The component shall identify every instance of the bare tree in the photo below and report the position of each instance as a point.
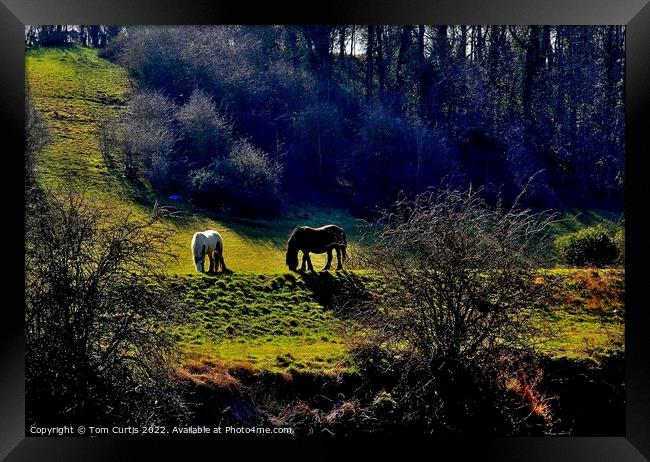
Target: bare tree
(97, 315)
(146, 137)
(461, 283)
(459, 275)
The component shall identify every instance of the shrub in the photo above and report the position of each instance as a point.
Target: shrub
(106, 133)
(252, 181)
(619, 241)
(246, 183)
(592, 246)
(36, 137)
(458, 273)
(146, 138)
(205, 133)
(206, 186)
(460, 284)
(97, 344)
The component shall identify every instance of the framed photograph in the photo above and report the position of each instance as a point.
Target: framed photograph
(262, 228)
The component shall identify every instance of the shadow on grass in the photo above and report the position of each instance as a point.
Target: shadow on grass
(217, 274)
(342, 291)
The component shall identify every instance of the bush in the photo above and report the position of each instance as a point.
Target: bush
(619, 241)
(461, 281)
(146, 138)
(97, 343)
(593, 246)
(246, 183)
(206, 186)
(36, 137)
(253, 181)
(205, 133)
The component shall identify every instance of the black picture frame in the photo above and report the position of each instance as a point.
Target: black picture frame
(635, 14)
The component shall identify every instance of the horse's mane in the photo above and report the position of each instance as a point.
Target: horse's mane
(293, 233)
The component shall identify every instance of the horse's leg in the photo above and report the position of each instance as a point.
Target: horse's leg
(339, 266)
(217, 261)
(329, 260)
(309, 265)
(211, 258)
(304, 261)
(223, 263)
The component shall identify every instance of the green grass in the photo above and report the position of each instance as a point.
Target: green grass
(70, 88)
(575, 220)
(588, 318)
(260, 314)
(274, 322)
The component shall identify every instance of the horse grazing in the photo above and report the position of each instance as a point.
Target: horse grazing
(317, 240)
(208, 243)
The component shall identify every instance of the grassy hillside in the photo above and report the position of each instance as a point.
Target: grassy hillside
(260, 314)
(284, 321)
(275, 322)
(73, 88)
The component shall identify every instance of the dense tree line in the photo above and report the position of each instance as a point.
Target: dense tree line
(354, 114)
(65, 35)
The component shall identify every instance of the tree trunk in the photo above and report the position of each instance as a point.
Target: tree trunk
(381, 64)
(292, 44)
(404, 45)
(442, 46)
(370, 43)
(462, 45)
(424, 76)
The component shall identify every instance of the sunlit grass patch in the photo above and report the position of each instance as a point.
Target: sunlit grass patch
(274, 322)
(587, 319)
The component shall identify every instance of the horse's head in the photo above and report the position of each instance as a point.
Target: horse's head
(198, 262)
(292, 252)
(292, 258)
(198, 252)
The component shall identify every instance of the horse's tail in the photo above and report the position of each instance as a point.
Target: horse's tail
(219, 263)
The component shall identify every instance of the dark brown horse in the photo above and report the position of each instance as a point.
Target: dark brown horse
(316, 240)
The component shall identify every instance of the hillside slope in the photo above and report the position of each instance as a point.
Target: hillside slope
(74, 88)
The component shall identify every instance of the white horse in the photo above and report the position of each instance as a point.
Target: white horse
(208, 243)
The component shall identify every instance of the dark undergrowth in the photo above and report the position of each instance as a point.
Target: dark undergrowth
(579, 399)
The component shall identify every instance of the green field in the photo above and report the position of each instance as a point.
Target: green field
(272, 321)
(261, 314)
